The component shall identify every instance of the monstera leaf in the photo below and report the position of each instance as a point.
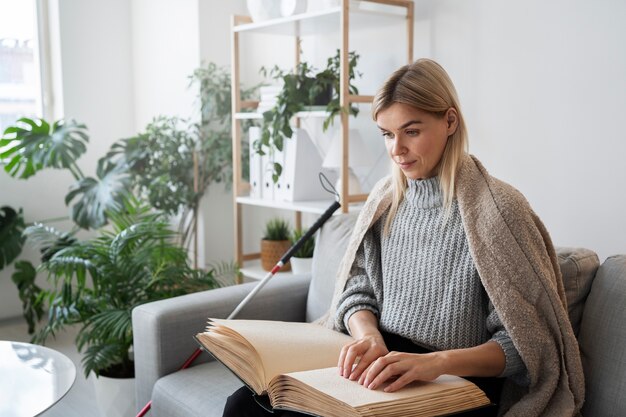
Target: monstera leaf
(37, 145)
(11, 239)
(98, 195)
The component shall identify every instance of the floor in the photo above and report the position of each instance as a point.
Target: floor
(79, 401)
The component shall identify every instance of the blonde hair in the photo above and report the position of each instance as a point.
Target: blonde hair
(425, 85)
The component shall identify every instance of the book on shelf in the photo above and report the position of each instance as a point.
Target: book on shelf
(295, 365)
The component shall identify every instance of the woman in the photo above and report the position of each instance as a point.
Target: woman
(451, 267)
(448, 270)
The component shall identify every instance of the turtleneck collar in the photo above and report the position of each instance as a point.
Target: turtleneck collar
(424, 193)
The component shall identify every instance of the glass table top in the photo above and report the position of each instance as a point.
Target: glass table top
(32, 378)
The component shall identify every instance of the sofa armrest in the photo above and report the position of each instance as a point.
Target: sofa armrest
(163, 330)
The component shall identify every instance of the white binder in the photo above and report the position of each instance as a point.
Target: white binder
(301, 165)
(256, 172)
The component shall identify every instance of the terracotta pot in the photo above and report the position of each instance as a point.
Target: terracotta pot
(272, 251)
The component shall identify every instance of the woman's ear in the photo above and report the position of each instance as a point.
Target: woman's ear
(452, 118)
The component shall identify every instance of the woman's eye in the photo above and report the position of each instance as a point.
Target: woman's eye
(387, 135)
(412, 132)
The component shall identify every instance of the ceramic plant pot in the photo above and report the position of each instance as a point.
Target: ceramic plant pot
(301, 265)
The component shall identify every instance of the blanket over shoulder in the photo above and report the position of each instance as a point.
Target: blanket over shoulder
(518, 267)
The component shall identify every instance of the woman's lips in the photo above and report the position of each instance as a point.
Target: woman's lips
(405, 165)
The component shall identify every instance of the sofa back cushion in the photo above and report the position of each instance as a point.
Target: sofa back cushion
(578, 267)
(602, 339)
(330, 246)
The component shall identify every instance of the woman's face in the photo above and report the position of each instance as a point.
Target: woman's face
(416, 139)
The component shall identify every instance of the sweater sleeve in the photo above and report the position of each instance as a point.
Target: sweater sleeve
(360, 291)
(514, 366)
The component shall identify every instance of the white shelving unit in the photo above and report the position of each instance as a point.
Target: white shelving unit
(350, 15)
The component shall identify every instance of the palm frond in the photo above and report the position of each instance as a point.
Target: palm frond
(48, 239)
(224, 272)
(11, 238)
(103, 355)
(110, 324)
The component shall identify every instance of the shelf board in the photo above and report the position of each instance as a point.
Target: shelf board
(253, 270)
(301, 114)
(308, 206)
(362, 15)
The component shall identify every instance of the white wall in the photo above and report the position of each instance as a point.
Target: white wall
(165, 45)
(543, 87)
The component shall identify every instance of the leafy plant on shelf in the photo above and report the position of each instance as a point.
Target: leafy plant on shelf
(302, 88)
(277, 229)
(308, 246)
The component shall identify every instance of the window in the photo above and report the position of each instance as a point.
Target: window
(20, 75)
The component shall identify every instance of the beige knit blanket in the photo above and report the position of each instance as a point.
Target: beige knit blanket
(518, 267)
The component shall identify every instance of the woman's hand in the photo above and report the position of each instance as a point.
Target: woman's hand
(366, 350)
(407, 367)
(368, 346)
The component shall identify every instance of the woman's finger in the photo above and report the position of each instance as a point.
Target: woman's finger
(353, 353)
(363, 364)
(404, 379)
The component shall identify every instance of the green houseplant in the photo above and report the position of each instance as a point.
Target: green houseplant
(302, 88)
(138, 184)
(302, 259)
(96, 283)
(275, 243)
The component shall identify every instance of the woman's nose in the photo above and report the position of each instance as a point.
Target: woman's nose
(398, 147)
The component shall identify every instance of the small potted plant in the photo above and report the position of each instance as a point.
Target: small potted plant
(305, 87)
(303, 258)
(275, 243)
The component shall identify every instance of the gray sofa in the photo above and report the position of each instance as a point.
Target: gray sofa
(163, 330)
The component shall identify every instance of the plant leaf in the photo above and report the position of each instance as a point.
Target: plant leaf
(11, 239)
(48, 239)
(100, 195)
(37, 145)
(32, 305)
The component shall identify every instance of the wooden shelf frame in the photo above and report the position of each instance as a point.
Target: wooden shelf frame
(296, 24)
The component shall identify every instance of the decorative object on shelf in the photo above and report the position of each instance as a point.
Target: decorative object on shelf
(292, 7)
(301, 163)
(302, 259)
(301, 88)
(275, 243)
(261, 10)
(359, 156)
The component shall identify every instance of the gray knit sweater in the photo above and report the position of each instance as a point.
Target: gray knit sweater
(421, 282)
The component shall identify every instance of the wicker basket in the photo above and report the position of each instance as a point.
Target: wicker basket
(272, 251)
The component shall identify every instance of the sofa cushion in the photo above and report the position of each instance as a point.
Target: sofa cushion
(578, 267)
(199, 391)
(602, 339)
(331, 243)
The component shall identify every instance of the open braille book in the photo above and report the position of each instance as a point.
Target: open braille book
(295, 364)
